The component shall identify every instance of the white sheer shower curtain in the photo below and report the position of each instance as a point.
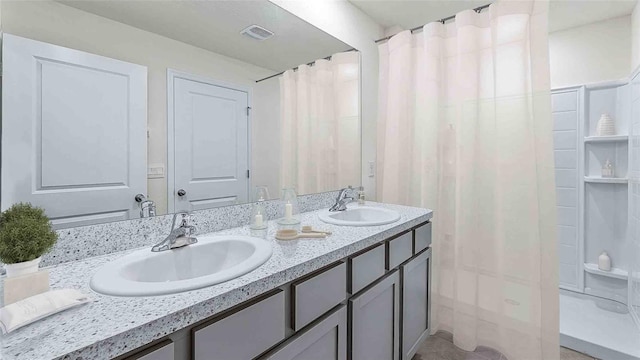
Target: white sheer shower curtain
(465, 129)
(320, 129)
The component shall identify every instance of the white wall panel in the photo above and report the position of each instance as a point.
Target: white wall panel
(565, 134)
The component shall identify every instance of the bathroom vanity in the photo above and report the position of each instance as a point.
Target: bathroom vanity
(374, 302)
(362, 293)
(358, 303)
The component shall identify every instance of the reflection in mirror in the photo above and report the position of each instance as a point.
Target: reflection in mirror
(320, 125)
(114, 110)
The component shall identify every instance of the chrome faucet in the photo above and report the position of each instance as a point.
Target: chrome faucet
(179, 236)
(147, 206)
(342, 200)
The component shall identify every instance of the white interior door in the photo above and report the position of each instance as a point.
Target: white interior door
(73, 132)
(210, 142)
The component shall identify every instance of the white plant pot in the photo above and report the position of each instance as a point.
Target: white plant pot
(22, 268)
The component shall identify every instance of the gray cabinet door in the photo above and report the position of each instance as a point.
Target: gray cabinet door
(374, 320)
(326, 340)
(161, 351)
(415, 276)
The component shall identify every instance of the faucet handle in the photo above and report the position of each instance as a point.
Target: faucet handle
(180, 219)
(343, 192)
(185, 219)
(186, 222)
(147, 209)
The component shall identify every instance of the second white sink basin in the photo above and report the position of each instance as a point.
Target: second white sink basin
(212, 260)
(360, 216)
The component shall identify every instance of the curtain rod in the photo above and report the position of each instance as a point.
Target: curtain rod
(443, 20)
(296, 68)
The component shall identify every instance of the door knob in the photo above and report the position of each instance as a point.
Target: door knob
(181, 192)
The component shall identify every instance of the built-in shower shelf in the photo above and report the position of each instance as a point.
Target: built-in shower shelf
(614, 273)
(601, 180)
(613, 138)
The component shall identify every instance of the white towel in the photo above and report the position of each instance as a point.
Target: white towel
(38, 307)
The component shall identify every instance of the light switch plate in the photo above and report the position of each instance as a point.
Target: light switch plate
(155, 171)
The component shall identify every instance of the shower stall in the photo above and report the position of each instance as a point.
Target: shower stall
(598, 205)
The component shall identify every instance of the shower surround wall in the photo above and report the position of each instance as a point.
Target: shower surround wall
(597, 214)
(566, 111)
(592, 210)
(634, 201)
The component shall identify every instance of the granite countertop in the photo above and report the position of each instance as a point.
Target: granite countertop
(111, 326)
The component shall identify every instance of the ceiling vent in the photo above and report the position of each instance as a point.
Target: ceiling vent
(257, 32)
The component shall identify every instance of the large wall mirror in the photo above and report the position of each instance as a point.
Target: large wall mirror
(108, 105)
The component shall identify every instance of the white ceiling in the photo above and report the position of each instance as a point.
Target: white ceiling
(563, 14)
(411, 13)
(216, 25)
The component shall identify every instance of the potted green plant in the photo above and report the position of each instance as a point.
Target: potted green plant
(25, 234)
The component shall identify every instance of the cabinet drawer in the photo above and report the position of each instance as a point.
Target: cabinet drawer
(244, 334)
(366, 268)
(422, 237)
(399, 249)
(318, 294)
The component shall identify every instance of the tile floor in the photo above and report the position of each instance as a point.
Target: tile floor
(440, 347)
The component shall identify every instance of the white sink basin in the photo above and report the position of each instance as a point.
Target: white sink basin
(360, 216)
(212, 260)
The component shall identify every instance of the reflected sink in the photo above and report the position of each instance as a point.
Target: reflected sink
(360, 216)
(212, 260)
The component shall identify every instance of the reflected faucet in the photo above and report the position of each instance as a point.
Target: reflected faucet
(147, 207)
(342, 200)
(179, 236)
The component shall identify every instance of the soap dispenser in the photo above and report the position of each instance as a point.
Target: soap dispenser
(604, 262)
(361, 196)
(607, 169)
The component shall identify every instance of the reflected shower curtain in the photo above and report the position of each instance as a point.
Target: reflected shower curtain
(320, 128)
(465, 129)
